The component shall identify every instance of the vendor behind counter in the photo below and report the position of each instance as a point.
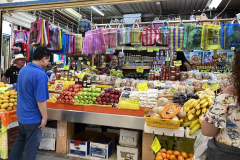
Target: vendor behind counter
(114, 63)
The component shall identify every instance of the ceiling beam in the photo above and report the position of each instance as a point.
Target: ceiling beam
(120, 17)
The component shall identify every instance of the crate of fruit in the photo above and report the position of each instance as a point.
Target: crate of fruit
(162, 123)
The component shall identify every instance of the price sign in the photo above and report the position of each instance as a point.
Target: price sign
(233, 48)
(136, 61)
(58, 62)
(156, 146)
(96, 52)
(215, 86)
(61, 78)
(88, 63)
(65, 79)
(156, 49)
(80, 75)
(140, 70)
(66, 67)
(94, 67)
(107, 46)
(149, 50)
(177, 63)
(80, 58)
(172, 91)
(167, 59)
(142, 86)
(127, 64)
(122, 99)
(121, 43)
(156, 71)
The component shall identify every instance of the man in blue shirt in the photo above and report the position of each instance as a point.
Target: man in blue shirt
(32, 95)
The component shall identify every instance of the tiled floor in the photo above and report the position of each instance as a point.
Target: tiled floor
(44, 157)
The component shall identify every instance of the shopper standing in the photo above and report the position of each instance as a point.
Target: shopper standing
(32, 95)
(13, 71)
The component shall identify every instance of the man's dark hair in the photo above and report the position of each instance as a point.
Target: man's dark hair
(41, 52)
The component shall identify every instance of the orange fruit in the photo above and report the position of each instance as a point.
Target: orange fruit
(191, 158)
(176, 153)
(159, 158)
(163, 150)
(159, 154)
(180, 158)
(188, 159)
(184, 155)
(168, 156)
(190, 155)
(169, 152)
(165, 159)
(164, 155)
(172, 157)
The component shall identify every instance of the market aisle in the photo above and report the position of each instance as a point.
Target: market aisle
(44, 157)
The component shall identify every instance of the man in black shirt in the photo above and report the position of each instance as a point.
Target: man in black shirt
(13, 71)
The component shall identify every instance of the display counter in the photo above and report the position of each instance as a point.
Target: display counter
(102, 116)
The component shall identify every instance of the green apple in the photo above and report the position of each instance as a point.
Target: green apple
(89, 98)
(77, 101)
(82, 102)
(80, 98)
(94, 99)
(90, 102)
(98, 90)
(75, 97)
(84, 89)
(86, 102)
(85, 98)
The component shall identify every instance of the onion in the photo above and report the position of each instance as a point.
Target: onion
(155, 109)
(181, 113)
(175, 118)
(159, 110)
(156, 115)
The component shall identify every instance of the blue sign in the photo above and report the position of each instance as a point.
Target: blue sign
(7, 3)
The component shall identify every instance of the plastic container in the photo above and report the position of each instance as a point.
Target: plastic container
(173, 73)
(172, 78)
(173, 68)
(177, 69)
(162, 123)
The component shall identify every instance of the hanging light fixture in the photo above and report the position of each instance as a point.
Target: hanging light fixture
(97, 10)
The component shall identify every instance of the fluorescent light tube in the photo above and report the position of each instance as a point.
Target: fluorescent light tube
(97, 10)
(215, 4)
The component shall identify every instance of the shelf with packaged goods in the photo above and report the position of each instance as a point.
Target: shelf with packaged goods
(143, 48)
(135, 67)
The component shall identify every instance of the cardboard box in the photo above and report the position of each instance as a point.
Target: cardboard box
(147, 152)
(126, 153)
(103, 151)
(80, 144)
(65, 132)
(95, 129)
(48, 140)
(129, 138)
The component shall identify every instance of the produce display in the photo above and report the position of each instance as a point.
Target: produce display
(164, 154)
(117, 73)
(8, 101)
(66, 96)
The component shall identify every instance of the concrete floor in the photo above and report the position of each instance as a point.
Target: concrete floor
(44, 157)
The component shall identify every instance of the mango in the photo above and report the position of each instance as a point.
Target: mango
(5, 101)
(2, 110)
(4, 106)
(15, 103)
(14, 108)
(9, 109)
(6, 94)
(11, 104)
(11, 100)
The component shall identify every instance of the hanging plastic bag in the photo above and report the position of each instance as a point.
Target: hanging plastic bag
(83, 25)
(230, 36)
(71, 44)
(211, 37)
(136, 35)
(176, 37)
(94, 42)
(164, 32)
(158, 24)
(78, 44)
(123, 35)
(110, 37)
(192, 37)
(53, 37)
(64, 45)
(200, 147)
(35, 32)
(150, 35)
(59, 43)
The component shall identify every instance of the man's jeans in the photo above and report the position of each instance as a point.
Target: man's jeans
(28, 141)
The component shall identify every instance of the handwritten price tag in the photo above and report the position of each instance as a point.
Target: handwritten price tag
(156, 49)
(66, 67)
(94, 67)
(80, 75)
(233, 48)
(150, 50)
(140, 70)
(80, 58)
(156, 146)
(88, 63)
(96, 52)
(142, 86)
(177, 63)
(58, 62)
(167, 59)
(172, 91)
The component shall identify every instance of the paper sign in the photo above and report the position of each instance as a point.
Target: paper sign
(177, 63)
(233, 48)
(88, 63)
(120, 42)
(213, 87)
(156, 71)
(156, 146)
(80, 58)
(96, 52)
(172, 91)
(156, 49)
(127, 64)
(66, 67)
(136, 61)
(167, 59)
(80, 75)
(58, 62)
(106, 47)
(140, 70)
(142, 86)
(149, 50)
(94, 67)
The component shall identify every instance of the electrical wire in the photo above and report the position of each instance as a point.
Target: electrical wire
(223, 9)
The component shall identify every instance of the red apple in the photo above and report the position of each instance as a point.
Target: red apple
(80, 86)
(107, 94)
(109, 103)
(76, 86)
(66, 97)
(95, 102)
(116, 92)
(67, 100)
(99, 99)
(103, 99)
(116, 101)
(71, 89)
(76, 90)
(71, 101)
(116, 97)
(73, 94)
(102, 95)
(70, 97)
(80, 89)
(63, 100)
(66, 89)
(104, 103)
(66, 93)
(71, 86)
(62, 96)
(59, 100)
(108, 99)
(69, 93)
(112, 100)
(106, 90)
(112, 96)
(112, 91)
(100, 102)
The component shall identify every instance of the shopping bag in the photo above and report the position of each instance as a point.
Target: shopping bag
(47, 32)
(200, 147)
(176, 37)
(71, 44)
(110, 37)
(42, 35)
(83, 24)
(64, 45)
(150, 35)
(67, 43)
(53, 37)
(136, 35)
(78, 44)
(123, 35)
(94, 42)
(59, 43)
(230, 36)
(35, 32)
(20, 36)
(164, 32)
(192, 37)
(211, 37)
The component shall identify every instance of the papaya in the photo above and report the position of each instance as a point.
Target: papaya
(5, 101)
(4, 106)
(171, 110)
(12, 93)
(12, 96)
(6, 94)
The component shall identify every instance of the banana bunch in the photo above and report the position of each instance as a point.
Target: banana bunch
(207, 92)
(195, 109)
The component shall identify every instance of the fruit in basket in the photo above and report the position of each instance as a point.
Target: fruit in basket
(170, 111)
